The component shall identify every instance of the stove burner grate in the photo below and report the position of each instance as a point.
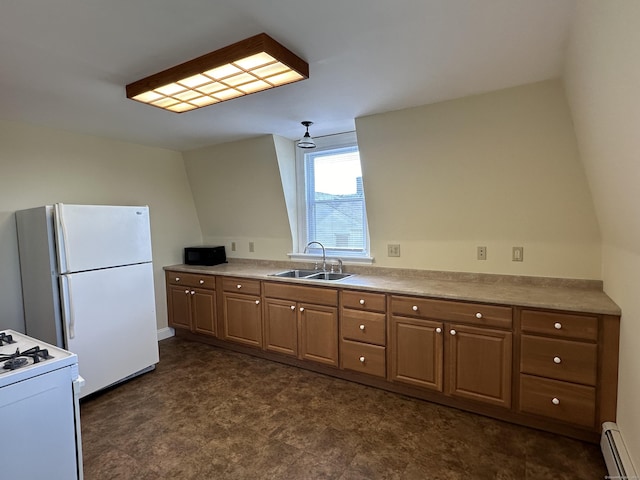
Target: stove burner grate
(5, 338)
(21, 359)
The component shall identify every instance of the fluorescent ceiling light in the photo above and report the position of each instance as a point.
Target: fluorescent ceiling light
(249, 66)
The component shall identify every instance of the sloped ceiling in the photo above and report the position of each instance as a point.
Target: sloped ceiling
(65, 64)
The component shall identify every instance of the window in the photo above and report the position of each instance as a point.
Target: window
(331, 199)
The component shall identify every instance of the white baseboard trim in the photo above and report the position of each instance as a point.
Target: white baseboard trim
(166, 332)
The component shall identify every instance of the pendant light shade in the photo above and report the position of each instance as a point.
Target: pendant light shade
(306, 141)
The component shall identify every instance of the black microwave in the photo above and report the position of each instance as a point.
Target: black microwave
(204, 255)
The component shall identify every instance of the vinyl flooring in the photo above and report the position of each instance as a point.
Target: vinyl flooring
(206, 413)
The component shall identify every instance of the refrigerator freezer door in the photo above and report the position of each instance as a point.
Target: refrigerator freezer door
(110, 323)
(90, 237)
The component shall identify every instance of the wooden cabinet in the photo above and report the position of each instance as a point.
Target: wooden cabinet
(363, 337)
(191, 302)
(431, 349)
(242, 311)
(301, 321)
(559, 366)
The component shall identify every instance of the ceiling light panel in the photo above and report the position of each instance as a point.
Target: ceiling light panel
(249, 66)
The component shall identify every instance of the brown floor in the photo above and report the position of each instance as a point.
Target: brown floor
(206, 413)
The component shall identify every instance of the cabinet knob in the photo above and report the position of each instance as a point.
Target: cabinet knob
(186, 291)
(362, 301)
(257, 302)
(302, 309)
(293, 307)
(555, 401)
(478, 315)
(201, 282)
(239, 286)
(557, 360)
(362, 359)
(557, 325)
(177, 279)
(438, 330)
(362, 327)
(193, 292)
(452, 331)
(414, 308)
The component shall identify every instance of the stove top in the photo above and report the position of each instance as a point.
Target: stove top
(23, 357)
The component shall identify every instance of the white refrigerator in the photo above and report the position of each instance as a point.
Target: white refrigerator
(87, 285)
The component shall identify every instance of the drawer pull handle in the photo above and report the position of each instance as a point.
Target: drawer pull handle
(362, 301)
(302, 309)
(415, 308)
(239, 286)
(452, 332)
(293, 307)
(362, 327)
(478, 315)
(193, 292)
(438, 330)
(555, 401)
(201, 282)
(187, 292)
(362, 359)
(557, 325)
(177, 279)
(557, 360)
(257, 302)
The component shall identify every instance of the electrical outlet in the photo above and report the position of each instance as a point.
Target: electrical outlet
(482, 253)
(393, 250)
(517, 254)
(251, 247)
(233, 246)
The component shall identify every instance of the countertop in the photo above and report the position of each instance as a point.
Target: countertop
(558, 294)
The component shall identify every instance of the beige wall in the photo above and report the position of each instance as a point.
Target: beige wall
(239, 197)
(602, 80)
(41, 166)
(497, 170)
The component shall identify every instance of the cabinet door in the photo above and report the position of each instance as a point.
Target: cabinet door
(281, 326)
(479, 364)
(203, 303)
(417, 352)
(242, 319)
(179, 300)
(318, 333)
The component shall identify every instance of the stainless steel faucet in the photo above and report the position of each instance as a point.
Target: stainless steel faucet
(324, 254)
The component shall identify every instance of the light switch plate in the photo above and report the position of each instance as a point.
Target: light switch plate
(517, 254)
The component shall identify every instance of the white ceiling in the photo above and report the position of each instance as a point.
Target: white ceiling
(65, 63)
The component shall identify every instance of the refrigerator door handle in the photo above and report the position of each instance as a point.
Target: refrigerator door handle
(63, 249)
(67, 307)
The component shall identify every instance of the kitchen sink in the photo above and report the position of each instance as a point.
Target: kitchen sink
(311, 275)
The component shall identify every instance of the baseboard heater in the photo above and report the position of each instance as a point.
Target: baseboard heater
(615, 454)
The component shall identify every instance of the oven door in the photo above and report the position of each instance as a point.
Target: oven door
(39, 418)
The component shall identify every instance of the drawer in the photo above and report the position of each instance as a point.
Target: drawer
(362, 357)
(368, 327)
(473, 313)
(191, 279)
(558, 400)
(559, 324)
(241, 285)
(559, 359)
(374, 302)
(296, 293)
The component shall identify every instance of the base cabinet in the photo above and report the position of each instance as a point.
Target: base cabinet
(192, 307)
(319, 333)
(242, 311)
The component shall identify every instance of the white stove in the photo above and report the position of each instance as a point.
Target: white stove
(39, 392)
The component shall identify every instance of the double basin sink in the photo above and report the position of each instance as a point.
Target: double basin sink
(311, 275)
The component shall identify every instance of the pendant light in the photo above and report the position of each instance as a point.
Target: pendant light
(306, 141)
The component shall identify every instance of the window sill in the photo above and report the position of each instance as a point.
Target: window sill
(307, 257)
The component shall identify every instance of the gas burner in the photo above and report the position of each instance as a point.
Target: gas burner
(21, 359)
(5, 338)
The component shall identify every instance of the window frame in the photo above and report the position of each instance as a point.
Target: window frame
(329, 142)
